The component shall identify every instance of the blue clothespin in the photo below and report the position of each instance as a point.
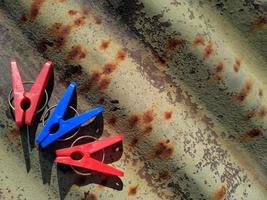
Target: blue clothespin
(56, 127)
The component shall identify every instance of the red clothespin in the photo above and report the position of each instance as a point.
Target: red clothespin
(66, 156)
(27, 103)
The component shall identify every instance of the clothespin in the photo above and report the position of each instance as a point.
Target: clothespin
(56, 127)
(80, 156)
(27, 103)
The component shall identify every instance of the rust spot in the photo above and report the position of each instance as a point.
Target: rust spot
(133, 120)
(121, 55)
(209, 50)
(43, 45)
(112, 121)
(147, 130)
(60, 32)
(134, 141)
(105, 44)
(260, 92)
(250, 114)
(109, 68)
(217, 77)
(95, 77)
(263, 111)
(199, 40)
(148, 116)
(79, 21)
(104, 83)
(35, 7)
(24, 17)
(253, 133)
(163, 175)
(259, 23)
(173, 43)
(73, 12)
(220, 194)
(159, 59)
(97, 20)
(219, 67)
(168, 115)
(86, 11)
(89, 196)
(245, 91)
(101, 100)
(237, 65)
(76, 53)
(163, 150)
(132, 190)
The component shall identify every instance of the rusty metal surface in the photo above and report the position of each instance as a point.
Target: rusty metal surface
(183, 80)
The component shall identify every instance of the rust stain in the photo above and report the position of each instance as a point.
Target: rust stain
(217, 77)
(105, 44)
(104, 83)
(101, 100)
(35, 8)
(97, 20)
(163, 150)
(245, 91)
(249, 115)
(147, 130)
(163, 175)
(24, 18)
(259, 22)
(219, 67)
(220, 194)
(217, 71)
(89, 196)
(133, 120)
(132, 191)
(44, 44)
(80, 21)
(148, 116)
(173, 43)
(112, 121)
(72, 12)
(134, 141)
(86, 11)
(209, 50)
(109, 68)
(260, 92)
(263, 112)
(251, 134)
(198, 40)
(159, 59)
(168, 115)
(76, 53)
(237, 64)
(60, 33)
(121, 55)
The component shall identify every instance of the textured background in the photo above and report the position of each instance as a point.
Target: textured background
(184, 80)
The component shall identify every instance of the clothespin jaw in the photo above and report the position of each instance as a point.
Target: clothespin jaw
(66, 156)
(56, 127)
(27, 103)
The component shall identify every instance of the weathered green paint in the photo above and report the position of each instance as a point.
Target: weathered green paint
(186, 75)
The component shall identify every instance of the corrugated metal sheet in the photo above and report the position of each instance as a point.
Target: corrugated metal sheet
(185, 81)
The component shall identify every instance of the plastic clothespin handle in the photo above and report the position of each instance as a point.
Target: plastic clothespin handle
(69, 125)
(36, 92)
(33, 97)
(58, 113)
(63, 156)
(18, 92)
